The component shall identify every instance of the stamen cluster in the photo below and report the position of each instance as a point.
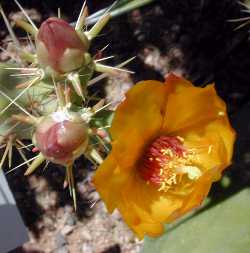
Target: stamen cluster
(165, 161)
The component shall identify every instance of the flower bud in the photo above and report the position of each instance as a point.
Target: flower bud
(59, 46)
(61, 137)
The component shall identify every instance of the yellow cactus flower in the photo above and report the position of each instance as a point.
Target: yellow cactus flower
(170, 142)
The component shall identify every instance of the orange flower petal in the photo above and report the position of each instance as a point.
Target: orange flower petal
(108, 181)
(176, 83)
(144, 208)
(138, 219)
(227, 134)
(137, 120)
(191, 106)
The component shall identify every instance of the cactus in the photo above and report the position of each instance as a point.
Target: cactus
(48, 106)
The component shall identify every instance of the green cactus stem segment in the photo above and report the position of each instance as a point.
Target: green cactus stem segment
(13, 101)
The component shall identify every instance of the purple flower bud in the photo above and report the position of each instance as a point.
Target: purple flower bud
(59, 46)
(61, 137)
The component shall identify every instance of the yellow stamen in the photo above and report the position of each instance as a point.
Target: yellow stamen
(168, 152)
(180, 138)
(210, 149)
(221, 113)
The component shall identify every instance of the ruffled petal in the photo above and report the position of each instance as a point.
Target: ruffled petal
(139, 220)
(211, 143)
(144, 208)
(137, 120)
(227, 136)
(191, 106)
(109, 181)
(134, 206)
(176, 83)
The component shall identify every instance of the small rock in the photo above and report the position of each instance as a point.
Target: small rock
(71, 220)
(60, 240)
(67, 230)
(87, 248)
(62, 250)
(86, 235)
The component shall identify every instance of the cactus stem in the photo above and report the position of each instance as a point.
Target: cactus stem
(104, 75)
(96, 29)
(110, 70)
(26, 15)
(76, 83)
(13, 101)
(26, 27)
(81, 18)
(16, 104)
(35, 164)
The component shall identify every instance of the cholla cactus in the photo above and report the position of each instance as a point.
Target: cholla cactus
(50, 103)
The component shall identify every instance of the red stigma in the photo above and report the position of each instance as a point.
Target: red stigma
(158, 156)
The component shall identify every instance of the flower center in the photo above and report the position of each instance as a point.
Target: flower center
(165, 161)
